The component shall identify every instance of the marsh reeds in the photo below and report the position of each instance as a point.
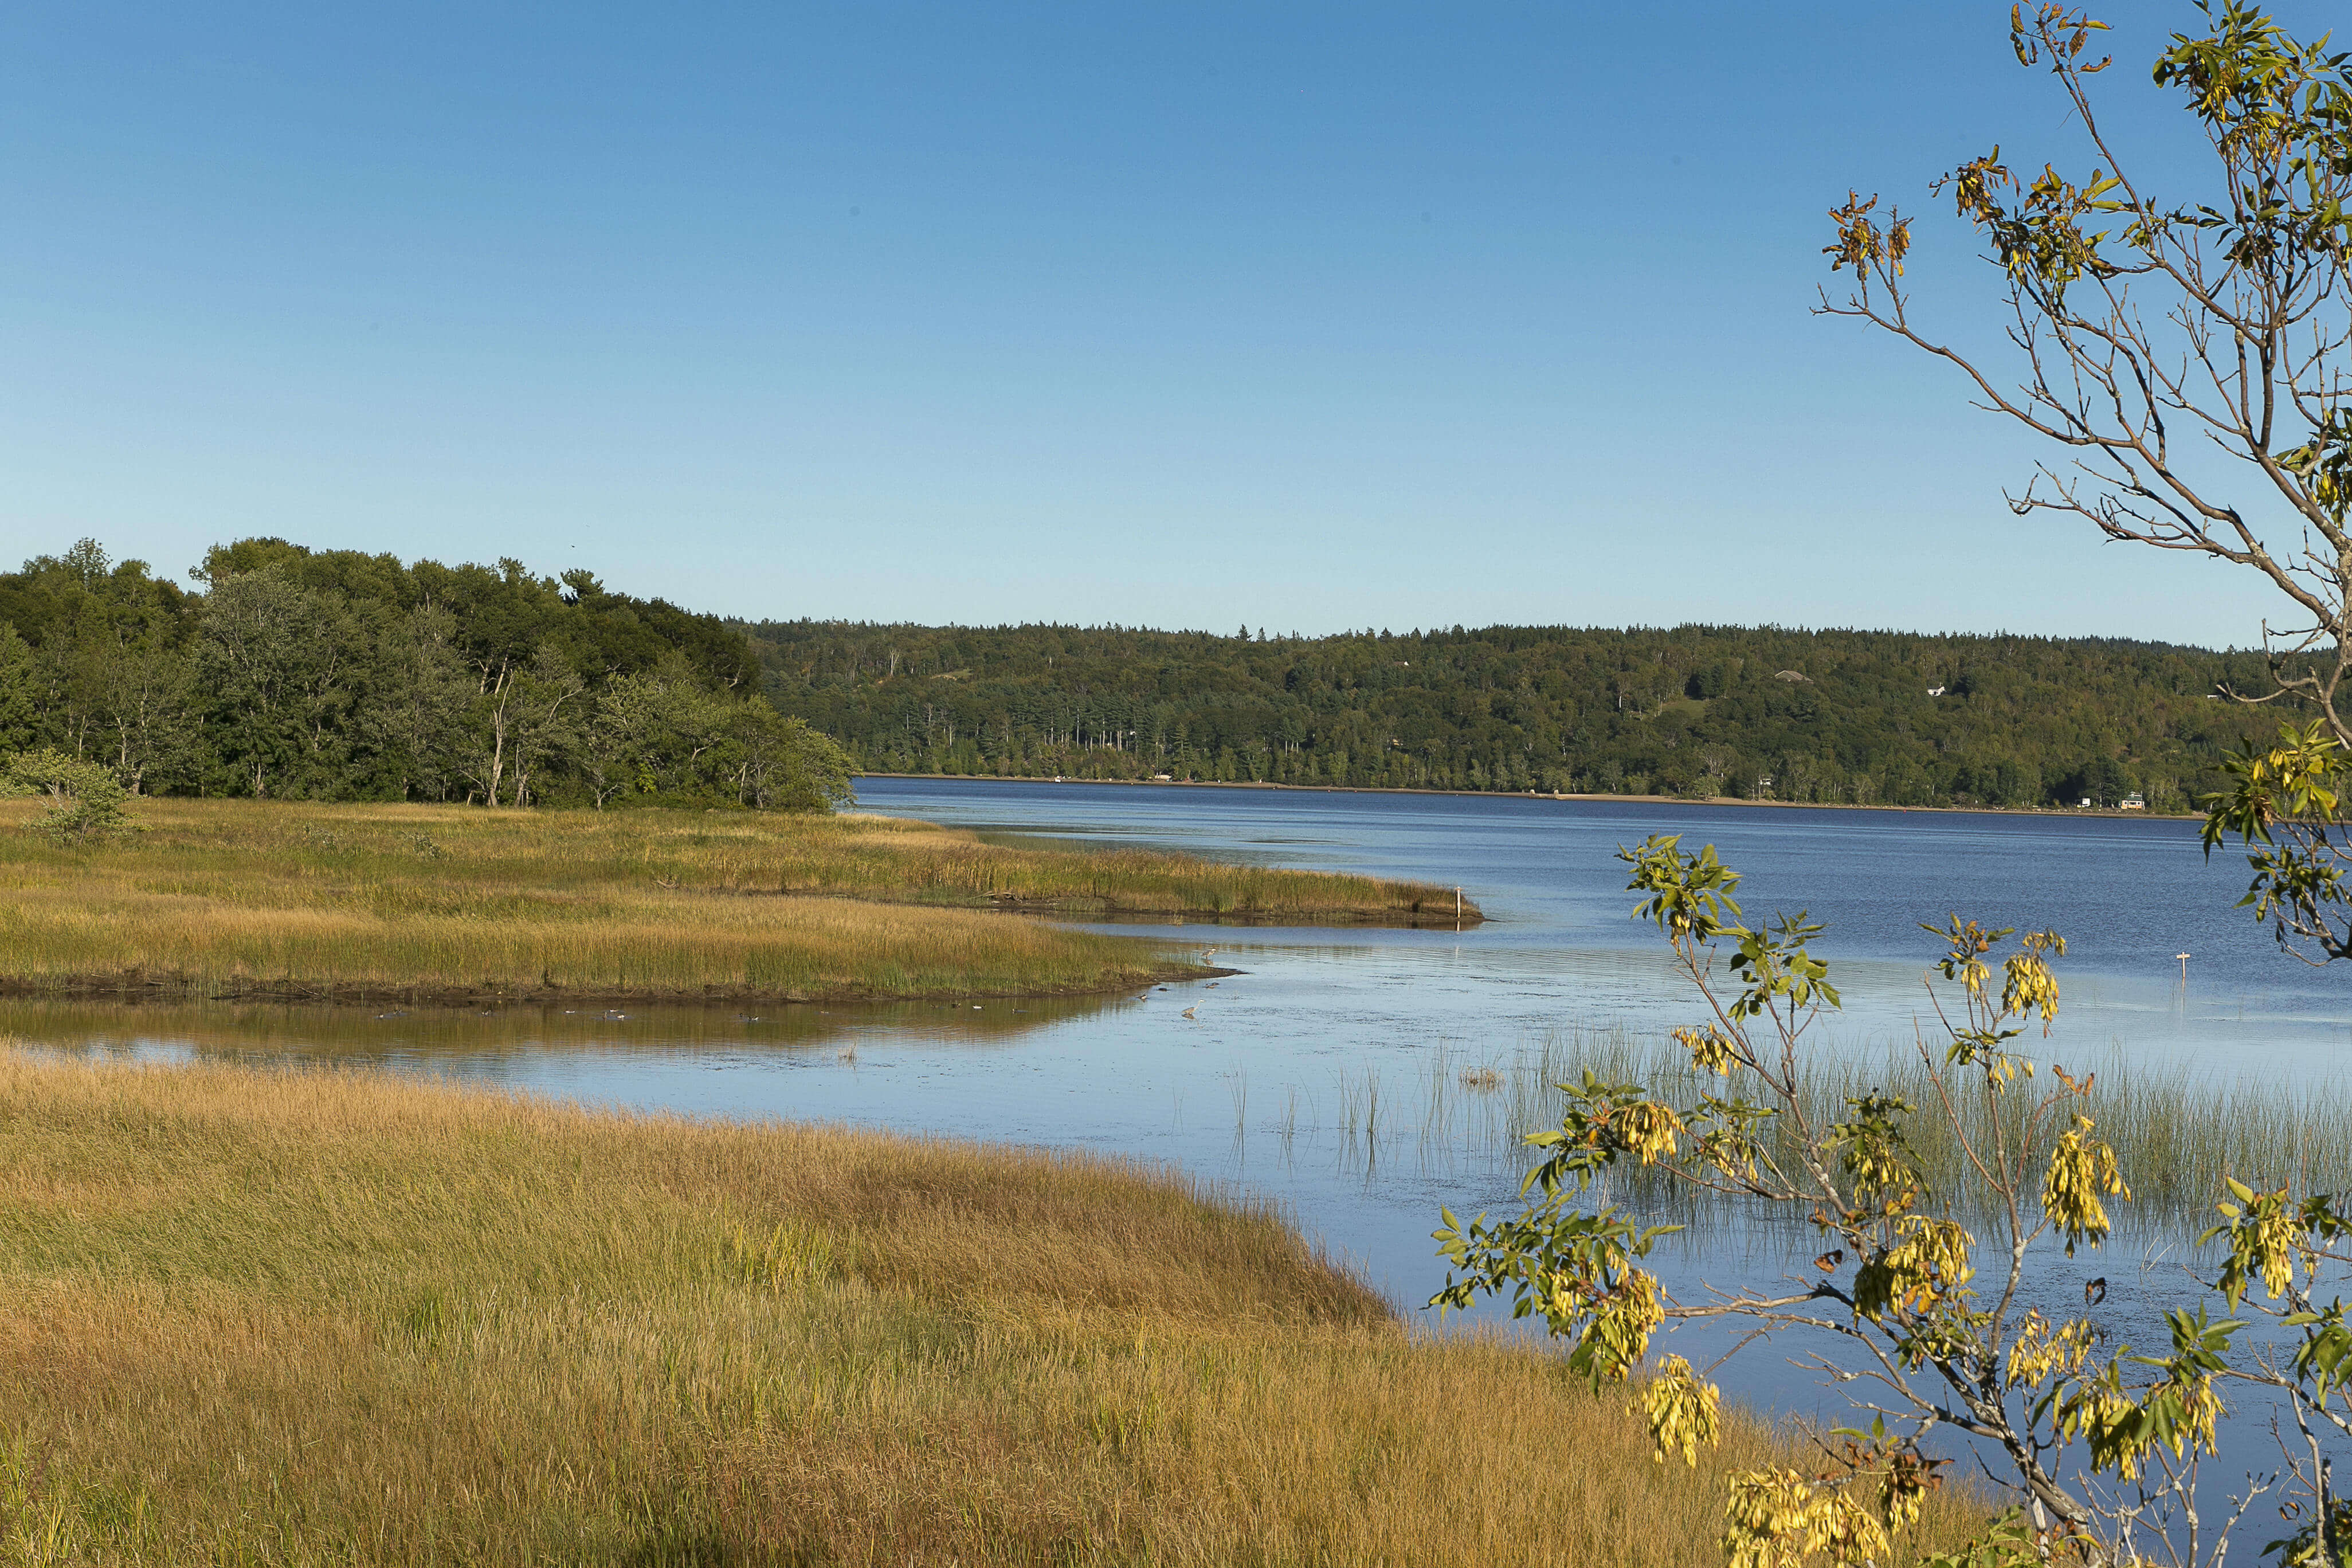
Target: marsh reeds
(409, 903)
(313, 1318)
(2178, 1132)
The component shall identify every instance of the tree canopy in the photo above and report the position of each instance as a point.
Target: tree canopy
(1831, 716)
(335, 674)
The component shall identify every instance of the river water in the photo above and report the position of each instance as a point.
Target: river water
(1328, 1073)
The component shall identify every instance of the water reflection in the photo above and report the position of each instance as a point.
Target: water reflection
(474, 1039)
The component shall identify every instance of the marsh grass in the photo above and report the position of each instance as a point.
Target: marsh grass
(404, 902)
(2178, 1133)
(313, 1318)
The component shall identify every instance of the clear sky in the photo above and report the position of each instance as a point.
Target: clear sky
(1305, 317)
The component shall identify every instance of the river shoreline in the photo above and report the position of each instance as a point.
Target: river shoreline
(1547, 795)
(134, 988)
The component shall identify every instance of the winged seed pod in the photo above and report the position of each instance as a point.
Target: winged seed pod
(2263, 1242)
(1647, 1129)
(1928, 1264)
(1966, 943)
(1618, 1335)
(2029, 987)
(1861, 244)
(1711, 1050)
(2081, 1171)
(1908, 1479)
(1681, 1410)
(1777, 1521)
(2181, 1417)
(2197, 1425)
(2041, 1350)
(2097, 1410)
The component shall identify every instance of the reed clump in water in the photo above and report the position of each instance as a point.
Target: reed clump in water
(2177, 1133)
(310, 1318)
(411, 902)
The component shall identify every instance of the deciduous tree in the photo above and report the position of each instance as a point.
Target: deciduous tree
(2183, 341)
(274, 660)
(1927, 1305)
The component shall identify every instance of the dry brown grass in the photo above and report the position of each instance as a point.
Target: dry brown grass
(436, 901)
(337, 1318)
(242, 898)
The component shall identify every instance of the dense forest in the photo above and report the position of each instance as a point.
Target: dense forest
(1871, 718)
(288, 673)
(339, 674)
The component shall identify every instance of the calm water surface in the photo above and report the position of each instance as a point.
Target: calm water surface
(1328, 1074)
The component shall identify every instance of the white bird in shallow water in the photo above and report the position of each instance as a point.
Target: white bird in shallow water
(1188, 1012)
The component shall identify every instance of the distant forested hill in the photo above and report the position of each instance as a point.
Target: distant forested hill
(1831, 716)
(334, 674)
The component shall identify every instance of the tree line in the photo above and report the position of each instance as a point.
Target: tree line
(290, 672)
(335, 674)
(1834, 716)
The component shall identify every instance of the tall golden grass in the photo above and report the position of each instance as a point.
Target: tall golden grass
(337, 1318)
(247, 898)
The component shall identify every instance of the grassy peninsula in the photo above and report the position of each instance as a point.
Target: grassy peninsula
(340, 1318)
(249, 899)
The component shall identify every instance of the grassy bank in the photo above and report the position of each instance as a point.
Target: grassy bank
(338, 1318)
(365, 902)
(889, 857)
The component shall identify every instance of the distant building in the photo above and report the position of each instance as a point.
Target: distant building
(2132, 801)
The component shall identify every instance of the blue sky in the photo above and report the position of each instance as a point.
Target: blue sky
(1301, 317)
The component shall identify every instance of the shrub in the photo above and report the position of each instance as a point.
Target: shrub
(86, 799)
